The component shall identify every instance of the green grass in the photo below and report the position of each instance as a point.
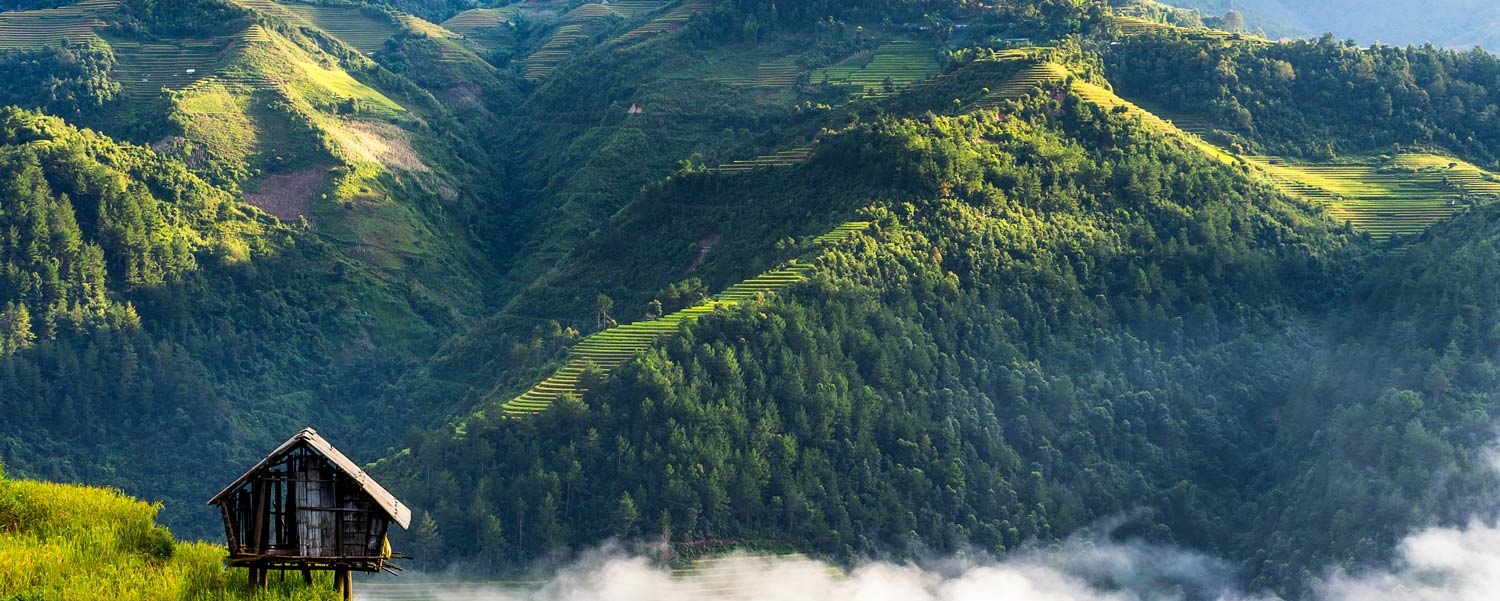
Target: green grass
(612, 348)
(336, 84)
(902, 62)
(52, 26)
(218, 117)
(63, 542)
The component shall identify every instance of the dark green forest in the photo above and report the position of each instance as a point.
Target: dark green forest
(1323, 98)
(1059, 316)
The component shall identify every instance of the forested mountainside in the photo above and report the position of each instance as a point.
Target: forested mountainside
(853, 278)
(292, 225)
(1319, 99)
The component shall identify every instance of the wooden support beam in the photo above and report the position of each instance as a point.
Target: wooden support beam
(260, 516)
(253, 579)
(338, 579)
(307, 576)
(348, 585)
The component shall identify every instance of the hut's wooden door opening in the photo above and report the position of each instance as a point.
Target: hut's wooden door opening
(308, 507)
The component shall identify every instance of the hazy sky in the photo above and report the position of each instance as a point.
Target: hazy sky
(1442, 22)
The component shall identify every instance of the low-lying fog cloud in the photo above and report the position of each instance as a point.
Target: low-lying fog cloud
(1078, 570)
(1451, 564)
(1439, 563)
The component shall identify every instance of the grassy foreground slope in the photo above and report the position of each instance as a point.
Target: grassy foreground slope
(62, 542)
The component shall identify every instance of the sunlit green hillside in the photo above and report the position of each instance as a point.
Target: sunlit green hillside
(61, 542)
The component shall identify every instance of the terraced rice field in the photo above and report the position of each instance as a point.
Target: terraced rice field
(1022, 83)
(671, 21)
(568, 37)
(842, 231)
(1138, 26)
(628, 9)
(256, 34)
(144, 69)
(270, 7)
(616, 346)
(1460, 174)
(422, 26)
(53, 26)
(780, 73)
(348, 23)
(472, 22)
(1378, 200)
(785, 158)
(904, 63)
(546, 59)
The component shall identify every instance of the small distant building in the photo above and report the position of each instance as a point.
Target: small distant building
(635, 109)
(308, 507)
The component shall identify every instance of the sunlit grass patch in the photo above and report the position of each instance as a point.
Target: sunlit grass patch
(64, 542)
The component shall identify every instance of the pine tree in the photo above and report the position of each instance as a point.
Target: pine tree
(15, 329)
(492, 543)
(623, 520)
(428, 543)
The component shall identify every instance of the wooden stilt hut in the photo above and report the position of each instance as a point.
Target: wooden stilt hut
(308, 507)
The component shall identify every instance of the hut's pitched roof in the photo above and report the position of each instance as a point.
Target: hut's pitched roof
(398, 512)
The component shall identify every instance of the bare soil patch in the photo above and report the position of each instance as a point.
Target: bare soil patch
(289, 195)
(704, 245)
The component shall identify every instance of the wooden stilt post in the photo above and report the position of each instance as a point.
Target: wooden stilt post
(253, 579)
(307, 576)
(348, 585)
(338, 579)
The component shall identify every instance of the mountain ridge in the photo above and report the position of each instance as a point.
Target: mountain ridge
(1113, 263)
